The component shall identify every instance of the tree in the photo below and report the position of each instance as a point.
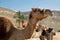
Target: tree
(22, 20)
(17, 16)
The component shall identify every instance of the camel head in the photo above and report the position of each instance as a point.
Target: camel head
(40, 14)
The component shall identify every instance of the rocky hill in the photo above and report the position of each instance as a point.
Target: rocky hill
(8, 13)
(53, 21)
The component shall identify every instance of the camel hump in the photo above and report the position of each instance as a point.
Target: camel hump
(4, 26)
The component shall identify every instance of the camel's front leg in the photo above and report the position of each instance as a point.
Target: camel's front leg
(49, 36)
(42, 37)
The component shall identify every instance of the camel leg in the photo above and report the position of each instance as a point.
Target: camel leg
(49, 36)
(42, 37)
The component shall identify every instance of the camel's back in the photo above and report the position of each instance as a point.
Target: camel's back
(4, 27)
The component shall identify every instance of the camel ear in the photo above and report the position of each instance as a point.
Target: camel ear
(50, 30)
(38, 10)
(34, 9)
(42, 11)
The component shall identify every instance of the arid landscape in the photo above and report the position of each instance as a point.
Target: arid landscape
(53, 22)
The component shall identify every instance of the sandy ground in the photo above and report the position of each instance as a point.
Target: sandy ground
(57, 37)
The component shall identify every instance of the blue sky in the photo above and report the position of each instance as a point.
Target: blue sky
(26, 5)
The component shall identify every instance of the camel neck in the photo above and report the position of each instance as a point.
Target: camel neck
(32, 22)
(30, 27)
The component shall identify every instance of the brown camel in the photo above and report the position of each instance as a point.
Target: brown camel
(47, 34)
(44, 33)
(11, 33)
(5, 25)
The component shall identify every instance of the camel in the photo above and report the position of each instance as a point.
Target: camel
(38, 31)
(41, 31)
(5, 25)
(47, 34)
(11, 33)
